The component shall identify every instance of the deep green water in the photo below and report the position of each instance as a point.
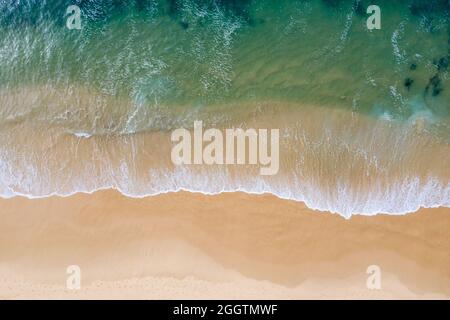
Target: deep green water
(201, 53)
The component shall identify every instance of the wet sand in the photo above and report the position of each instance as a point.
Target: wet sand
(234, 245)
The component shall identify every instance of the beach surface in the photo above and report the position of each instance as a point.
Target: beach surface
(228, 246)
(361, 151)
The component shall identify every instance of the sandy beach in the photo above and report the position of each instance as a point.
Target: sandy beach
(228, 246)
(212, 149)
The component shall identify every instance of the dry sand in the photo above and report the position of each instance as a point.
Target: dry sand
(189, 246)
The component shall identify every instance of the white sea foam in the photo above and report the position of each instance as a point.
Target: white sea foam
(399, 54)
(82, 135)
(408, 195)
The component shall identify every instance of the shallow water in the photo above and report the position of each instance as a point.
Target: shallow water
(93, 108)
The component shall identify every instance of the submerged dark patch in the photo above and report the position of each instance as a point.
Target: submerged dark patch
(436, 84)
(408, 83)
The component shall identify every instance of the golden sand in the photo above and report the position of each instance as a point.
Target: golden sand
(190, 246)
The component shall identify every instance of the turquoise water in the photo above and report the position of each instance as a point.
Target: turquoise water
(202, 53)
(145, 66)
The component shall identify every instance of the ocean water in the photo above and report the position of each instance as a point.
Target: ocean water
(364, 114)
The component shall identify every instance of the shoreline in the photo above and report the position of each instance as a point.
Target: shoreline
(212, 194)
(217, 243)
(333, 160)
(203, 149)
